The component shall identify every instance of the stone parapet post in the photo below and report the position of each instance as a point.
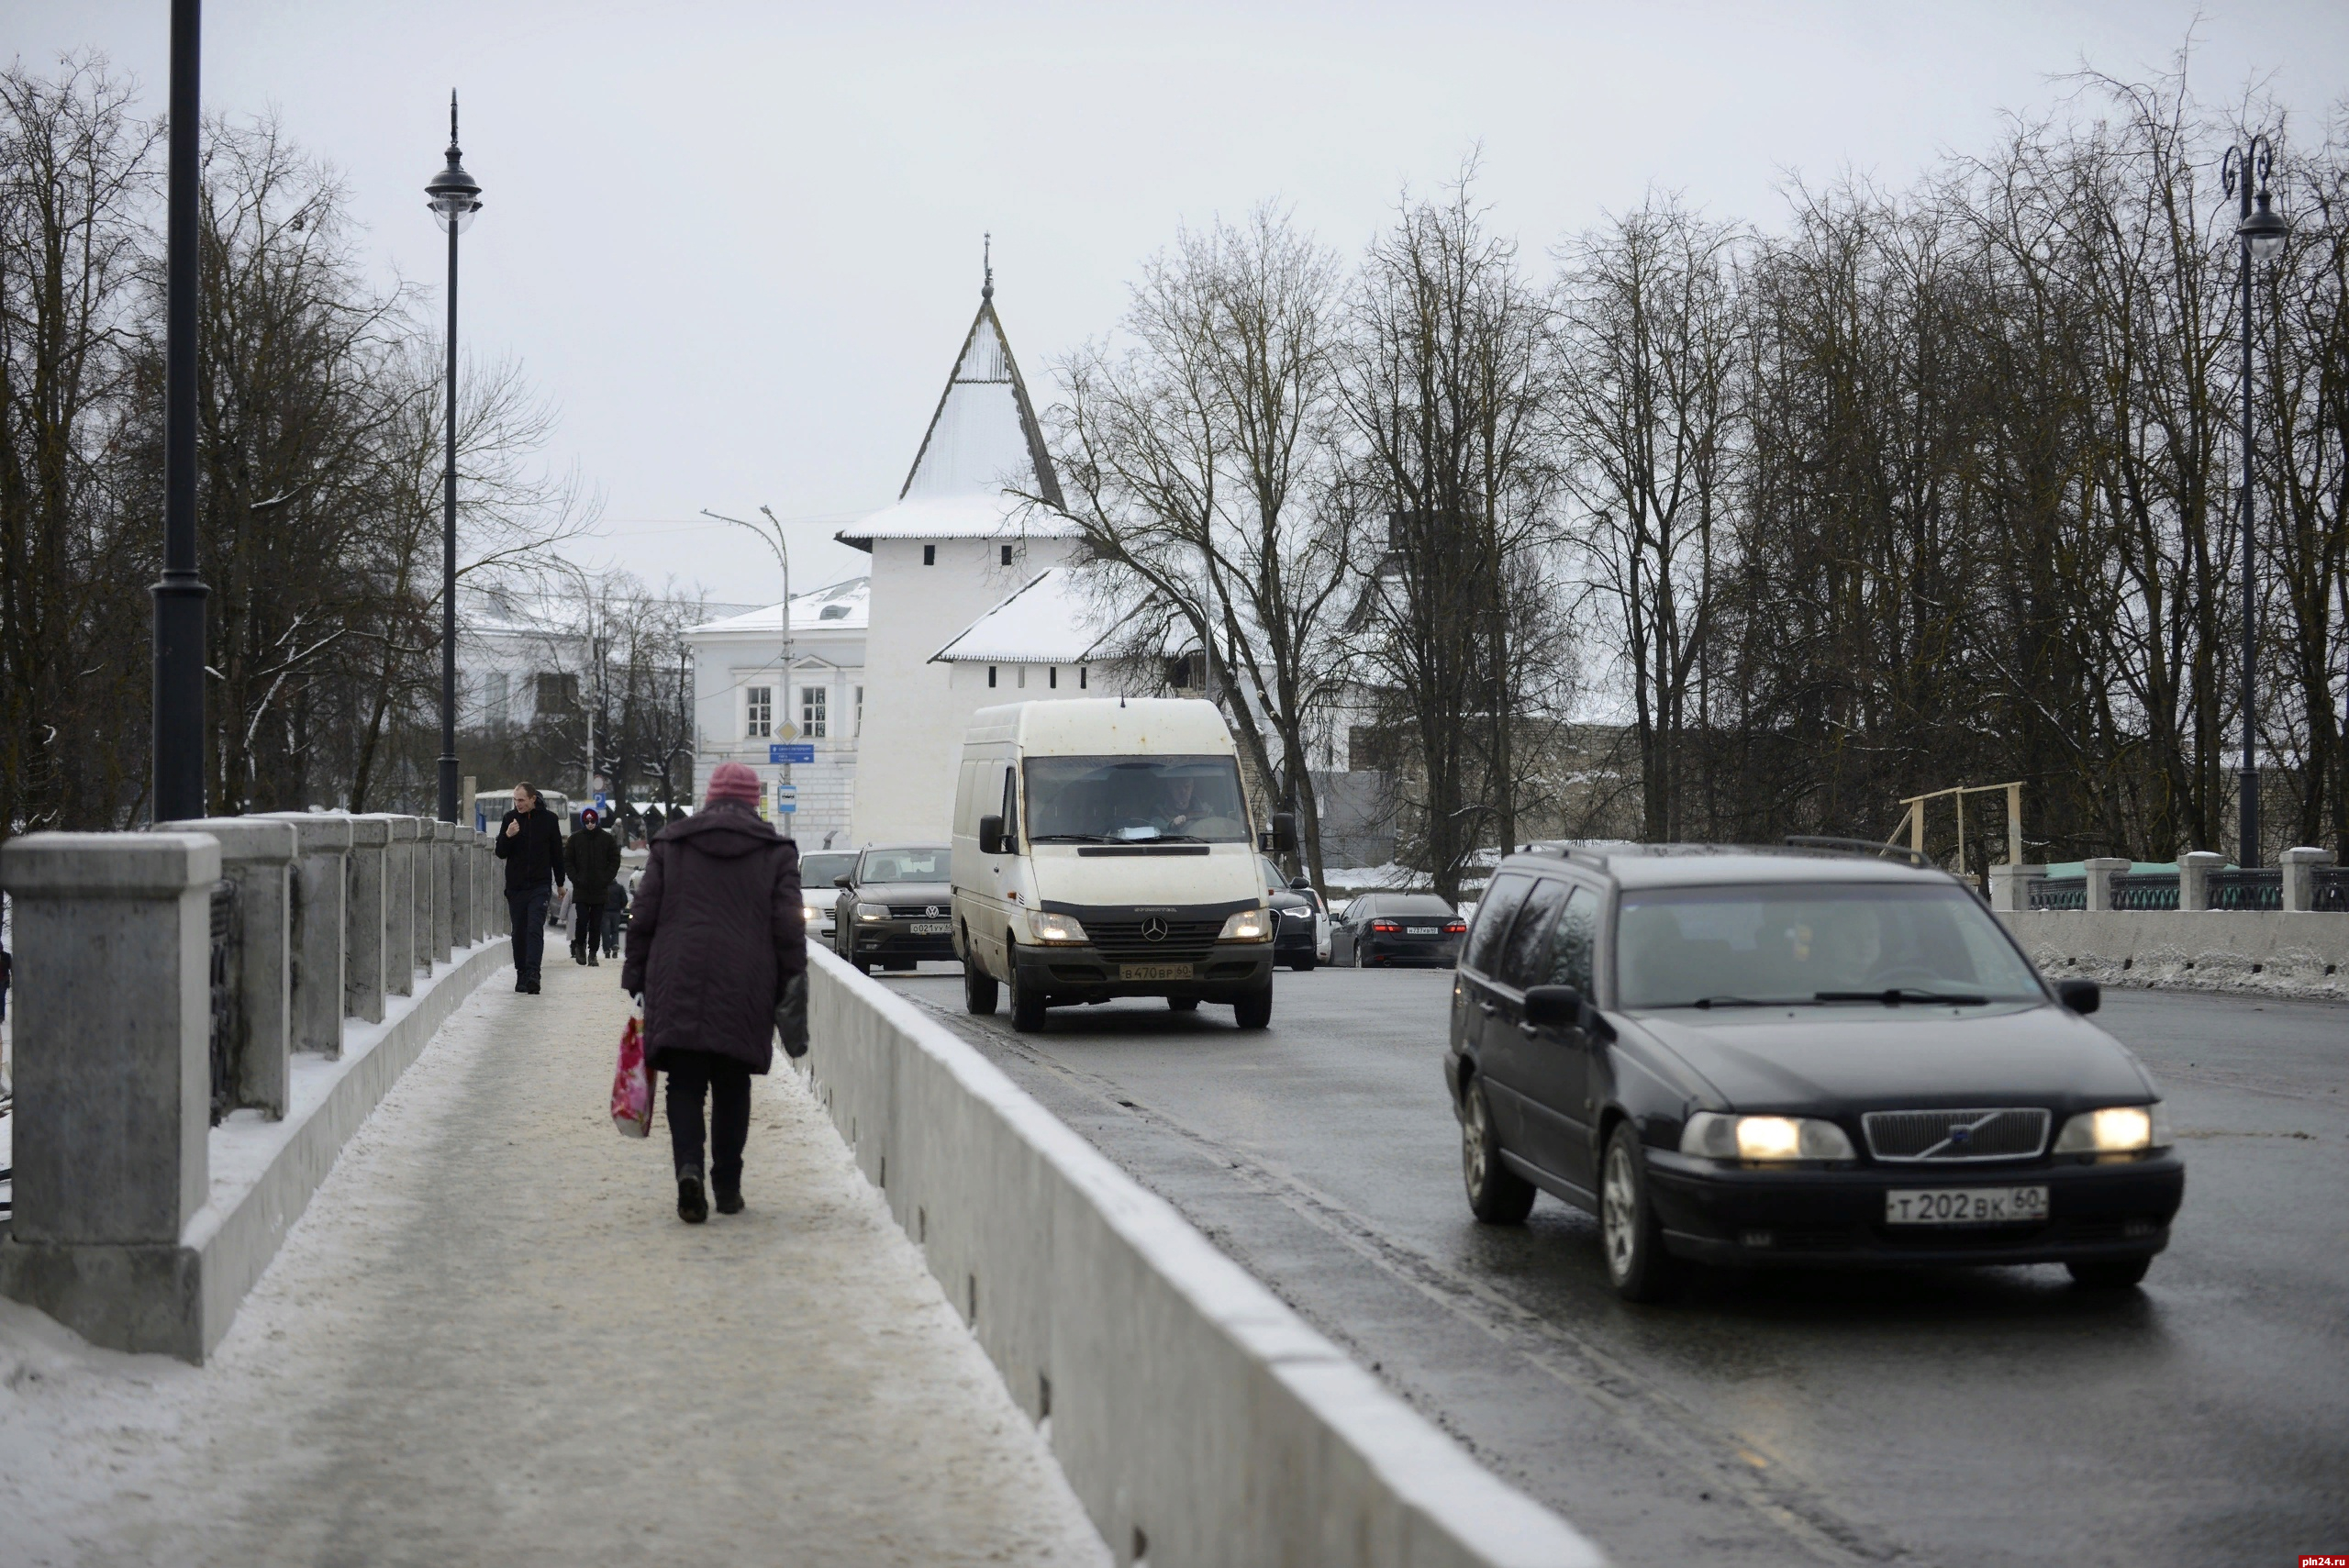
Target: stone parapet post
(420, 880)
(2010, 886)
(257, 856)
(113, 1078)
(444, 890)
(363, 975)
(461, 887)
(321, 922)
(2194, 868)
(2101, 869)
(2299, 877)
(489, 885)
(400, 861)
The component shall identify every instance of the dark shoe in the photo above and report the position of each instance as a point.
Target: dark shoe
(531, 986)
(729, 1201)
(593, 962)
(691, 1207)
(521, 986)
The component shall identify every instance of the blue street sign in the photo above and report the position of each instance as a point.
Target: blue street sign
(599, 800)
(788, 806)
(779, 752)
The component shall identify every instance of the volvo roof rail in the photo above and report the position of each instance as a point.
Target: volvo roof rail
(1827, 844)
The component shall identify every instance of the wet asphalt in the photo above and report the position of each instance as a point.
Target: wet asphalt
(1952, 1416)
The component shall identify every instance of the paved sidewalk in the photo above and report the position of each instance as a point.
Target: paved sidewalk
(490, 1340)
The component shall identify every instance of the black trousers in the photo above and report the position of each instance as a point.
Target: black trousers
(692, 1075)
(587, 929)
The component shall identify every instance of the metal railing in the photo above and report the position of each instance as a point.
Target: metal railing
(2059, 892)
(2259, 889)
(2330, 892)
(224, 998)
(2145, 890)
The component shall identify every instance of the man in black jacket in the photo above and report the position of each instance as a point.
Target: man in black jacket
(593, 857)
(531, 843)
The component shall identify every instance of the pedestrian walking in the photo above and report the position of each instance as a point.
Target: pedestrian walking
(615, 917)
(529, 841)
(715, 938)
(593, 858)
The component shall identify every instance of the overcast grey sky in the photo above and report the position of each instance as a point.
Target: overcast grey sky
(739, 243)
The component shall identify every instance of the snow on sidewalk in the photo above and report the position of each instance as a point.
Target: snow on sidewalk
(490, 1340)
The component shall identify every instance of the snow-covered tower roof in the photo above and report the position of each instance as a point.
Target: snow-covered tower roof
(983, 452)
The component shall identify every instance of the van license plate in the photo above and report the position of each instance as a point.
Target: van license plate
(933, 927)
(1154, 972)
(1965, 1206)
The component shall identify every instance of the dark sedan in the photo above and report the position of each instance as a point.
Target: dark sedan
(1297, 910)
(896, 907)
(1382, 929)
(1794, 1057)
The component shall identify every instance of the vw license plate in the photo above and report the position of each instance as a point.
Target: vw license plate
(1965, 1206)
(1154, 972)
(933, 927)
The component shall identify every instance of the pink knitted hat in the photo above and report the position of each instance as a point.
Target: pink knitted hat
(732, 781)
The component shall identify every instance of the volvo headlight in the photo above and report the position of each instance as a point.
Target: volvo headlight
(1716, 1136)
(1060, 930)
(2116, 1129)
(872, 911)
(1247, 926)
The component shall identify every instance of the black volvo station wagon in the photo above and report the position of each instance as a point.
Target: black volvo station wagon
(1794, 1056)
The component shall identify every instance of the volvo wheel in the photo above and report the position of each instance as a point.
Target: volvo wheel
(1637, 1264)
(1497, 1194)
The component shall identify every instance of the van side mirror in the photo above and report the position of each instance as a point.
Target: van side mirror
(991, 835)
(1282, 839)
(2083, 996)
(1554, 1006)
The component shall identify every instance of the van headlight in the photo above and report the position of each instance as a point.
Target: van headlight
(813, 913)
(1058, 929)
(2116, 1129)
(1247, 926)
(1715, 1135)
(872, 911)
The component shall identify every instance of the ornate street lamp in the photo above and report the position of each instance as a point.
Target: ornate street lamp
(2259, 231)
(454, 197)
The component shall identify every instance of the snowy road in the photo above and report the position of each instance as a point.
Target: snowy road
(1958, 1417)
(490, 1340)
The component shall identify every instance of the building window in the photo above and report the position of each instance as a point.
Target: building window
(929, 555)
(1006, 555)
(557, 693)
(1080, 677)
(811, 711)
(1023, 677)
(860, 710)
(1053, 677)
(990, 677)
(758, 712)
(494, 700)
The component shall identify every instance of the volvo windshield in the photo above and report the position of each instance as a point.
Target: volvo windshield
(1113, 800)
(1814, 944)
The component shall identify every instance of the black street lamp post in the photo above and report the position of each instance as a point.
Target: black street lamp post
(2259, 233)
(178, 736)
(454, 198)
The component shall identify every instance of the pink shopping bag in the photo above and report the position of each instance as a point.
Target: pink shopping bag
(632, 1083)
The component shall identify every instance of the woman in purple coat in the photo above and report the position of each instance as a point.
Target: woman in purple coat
(714, 935)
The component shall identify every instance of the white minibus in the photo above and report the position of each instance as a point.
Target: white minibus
(1104, 847)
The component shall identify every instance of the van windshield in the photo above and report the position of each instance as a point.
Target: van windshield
(1110, 800)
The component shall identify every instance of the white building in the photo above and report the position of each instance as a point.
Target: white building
(746, 704)
(969, 602)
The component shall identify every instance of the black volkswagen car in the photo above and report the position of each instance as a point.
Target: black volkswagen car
(896, 907)
(1795, 1056)
(1382, 929)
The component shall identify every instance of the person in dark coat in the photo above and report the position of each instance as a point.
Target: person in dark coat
(615, 917)
(593, 858)
(714, 936)
(529, 841)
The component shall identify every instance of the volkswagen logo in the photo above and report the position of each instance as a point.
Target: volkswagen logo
(933, 911)
(1154, 930)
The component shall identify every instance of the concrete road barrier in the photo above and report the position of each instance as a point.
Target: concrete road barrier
(1198, 1418)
